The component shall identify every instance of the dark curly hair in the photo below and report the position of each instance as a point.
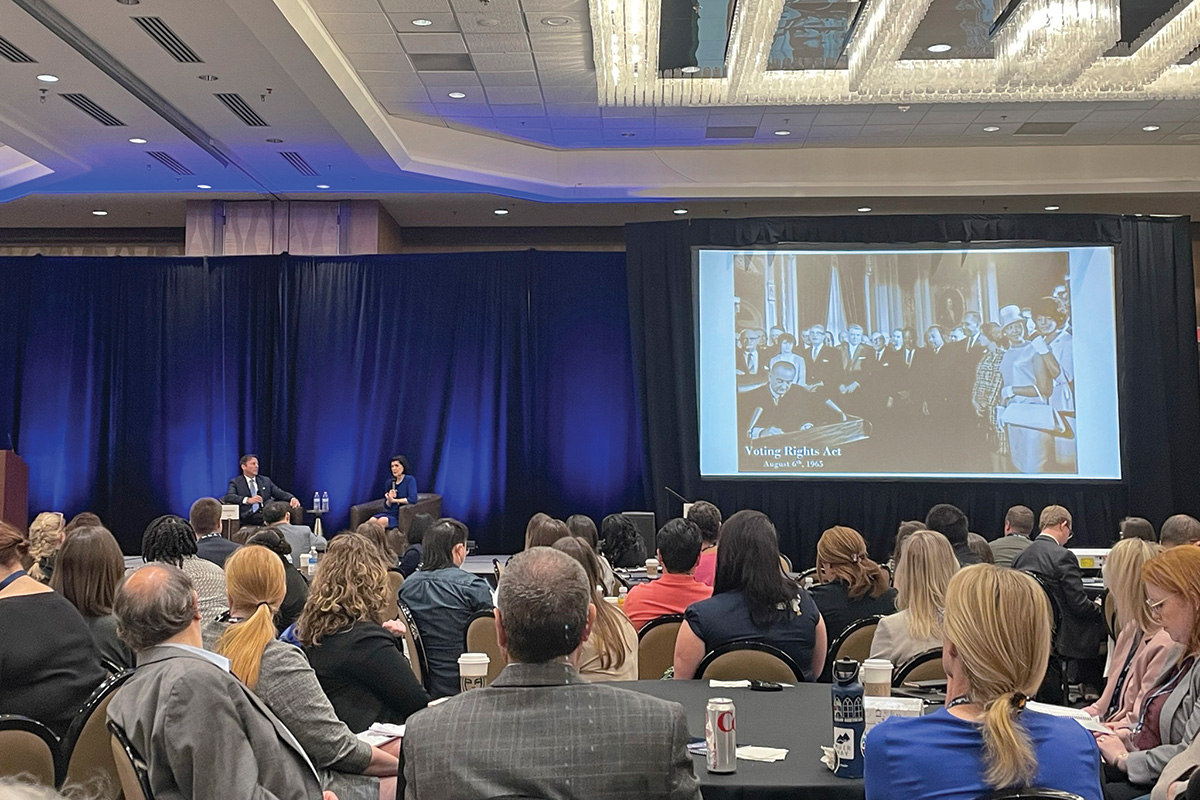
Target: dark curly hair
(168, 539)
(620, 536)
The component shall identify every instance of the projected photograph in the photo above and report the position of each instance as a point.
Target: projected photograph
(908, 363)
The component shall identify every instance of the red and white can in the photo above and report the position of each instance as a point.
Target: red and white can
(720, 735)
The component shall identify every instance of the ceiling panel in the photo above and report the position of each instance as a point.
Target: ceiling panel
(440, 22)
(433, 43)
(497, 42)
(356, 23)
(407, 6)
(351, 43)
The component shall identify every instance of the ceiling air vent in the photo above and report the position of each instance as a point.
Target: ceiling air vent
(1043, 129)
(169, 40)
(241, 109)
(730, 132)
(13, 53)
(89, 107)
(297, 161)
(169, 162)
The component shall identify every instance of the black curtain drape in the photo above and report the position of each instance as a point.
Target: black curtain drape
(1158, 375)
(132, 385)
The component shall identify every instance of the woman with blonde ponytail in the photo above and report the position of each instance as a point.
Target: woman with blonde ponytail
(996, 646)
(281, 676)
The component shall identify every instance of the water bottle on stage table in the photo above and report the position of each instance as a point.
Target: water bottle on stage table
(316, 506)
(324, 501)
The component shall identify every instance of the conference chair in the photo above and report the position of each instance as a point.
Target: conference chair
(85, 752)
(656, 646)
(497, 570)
(925, 666)
(27, 747)
(414, 647)
(481, 638)
(1109, 604)
(131, 767)
(749, 660)
(854, 642)
(785, 564)
(807, 577)
(1030, 794)
(1056, 674)
(111, 667)
(394, 581)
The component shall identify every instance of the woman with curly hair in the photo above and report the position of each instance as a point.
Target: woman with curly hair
(45, 537)
(622, 546)
(170, 539)
(353, 649)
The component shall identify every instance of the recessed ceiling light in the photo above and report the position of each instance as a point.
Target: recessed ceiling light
(500, 212)
(99, 213)
(938, 48)
(208, 78)
(322, 185)
(137, 140)
(680, 211)
(48, 78)
(1052, 208)
(275, 141)
(557, 22)
(782, 132)
(457, 95)
(990, 128)
(1150, 128)
(863, 209)
(903, 108)
(488, 22)
(690, 70)
(203, 186)
(422, 23)
(1190, 137)
(129, 2)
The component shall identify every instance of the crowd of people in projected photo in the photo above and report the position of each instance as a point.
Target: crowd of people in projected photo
(1005, 388)
(237, 676)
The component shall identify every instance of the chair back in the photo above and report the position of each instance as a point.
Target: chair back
(394, 581)
(854, 642)
(785, 564)
(131, 767)
(27, 747)
(414, 648)
(497, 569)
(656, 646)
(481, 638)
(1030, 794)
(85, 751)
(1055, 611)
(1109, 603)
(740, 661)
(925, 666)
(807, 577)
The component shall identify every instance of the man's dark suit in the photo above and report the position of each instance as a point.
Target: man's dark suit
(215, 548)
(825, 367)
(542, 731)
(795, 408)
(1082, 621)
(855, 369)
(239, 492)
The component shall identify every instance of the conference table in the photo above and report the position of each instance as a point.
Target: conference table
(799, 718)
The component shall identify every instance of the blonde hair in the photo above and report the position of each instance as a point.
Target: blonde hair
(926, 566)
(254, 576)
(1123, 576)
(1176, 571)
(350, 587)
(842, 554)
(999, 620)
(45, 536)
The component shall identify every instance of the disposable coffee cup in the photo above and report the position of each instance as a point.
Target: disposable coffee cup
(472, 671)
(876, 677)
(652, 567)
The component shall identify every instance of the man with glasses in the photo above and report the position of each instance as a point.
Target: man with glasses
(1082, 630)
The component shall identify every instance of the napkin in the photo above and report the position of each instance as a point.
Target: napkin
(715, 684)
(768, 754)
(381, 733)
(828, 758)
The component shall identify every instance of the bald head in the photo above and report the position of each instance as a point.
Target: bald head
(154, 604)
(543, 599)
(1179, 529)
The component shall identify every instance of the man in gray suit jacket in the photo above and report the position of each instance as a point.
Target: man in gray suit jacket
(300, 537)
(540, 730)
(202, 733)
(1018, 524)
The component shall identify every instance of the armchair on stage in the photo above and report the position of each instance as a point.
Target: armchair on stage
(427, 503)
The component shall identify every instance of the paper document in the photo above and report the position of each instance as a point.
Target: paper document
(1077, 714)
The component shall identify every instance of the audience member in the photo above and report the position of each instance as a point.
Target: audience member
(1170, 714)
(534, 521)
(89, 567)
(633, 746)
(300, 537)
(676, 588)
(400, 490)
(377, 534)
(48, 663)
(997, 632)
(169, 539)
(979, 546)
(1179, 529)
(84, 519)
(1047, 557)
(22, 787)
(951, 522)
(45, 536)
(281, 677)
(925, 569)
(544, 531)
(1018, 524)
(1143, 649)
(850, 586)
(442, 598)
(582, 527)
(205, 519)
(251, 491)
(416, 537)
(906, 529)
(610, 651)
(297, 588)
(1136, 528)
(202, 733)
(708, 519)
(752, 599)
(621, 543)
(353, 650)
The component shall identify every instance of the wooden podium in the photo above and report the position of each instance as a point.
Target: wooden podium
(14, 490)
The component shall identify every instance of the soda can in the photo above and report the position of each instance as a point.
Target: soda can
(720, 735)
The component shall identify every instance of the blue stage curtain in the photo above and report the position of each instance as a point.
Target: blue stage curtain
(131, 385)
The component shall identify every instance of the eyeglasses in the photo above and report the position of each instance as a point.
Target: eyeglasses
(1155, 607)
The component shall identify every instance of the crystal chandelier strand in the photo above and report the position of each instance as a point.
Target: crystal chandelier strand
(884, 28)
(1169, 39)
(1051, 42)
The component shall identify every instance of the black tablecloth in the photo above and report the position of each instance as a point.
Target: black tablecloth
(799, 718)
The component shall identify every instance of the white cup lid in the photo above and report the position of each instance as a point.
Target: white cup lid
(474, 658)
(877, 663)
